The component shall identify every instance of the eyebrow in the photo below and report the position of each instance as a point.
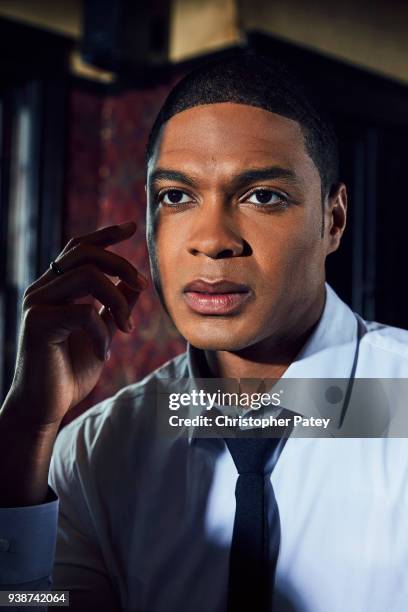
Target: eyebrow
(252, 175)
(162, 174)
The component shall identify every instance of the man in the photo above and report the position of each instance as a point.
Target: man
(244, 205)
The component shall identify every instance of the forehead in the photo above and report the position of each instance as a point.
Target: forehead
(230, 136)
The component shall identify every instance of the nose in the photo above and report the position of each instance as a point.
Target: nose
(213, 234)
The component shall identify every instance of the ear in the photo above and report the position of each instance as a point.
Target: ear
(335, 217)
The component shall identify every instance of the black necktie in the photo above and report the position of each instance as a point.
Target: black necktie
(254, 550)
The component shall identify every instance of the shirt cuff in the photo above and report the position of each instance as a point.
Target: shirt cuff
(27, 541)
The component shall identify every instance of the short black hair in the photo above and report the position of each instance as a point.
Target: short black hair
(253, 79)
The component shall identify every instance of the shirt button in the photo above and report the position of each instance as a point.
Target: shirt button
(4, 545)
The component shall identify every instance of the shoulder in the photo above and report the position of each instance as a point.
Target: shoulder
(387, 338)
(387, 347)
(116, 421)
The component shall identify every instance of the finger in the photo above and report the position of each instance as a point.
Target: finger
(109, 263)
(131, 297)
(56, 323)
(81, 282)
(105, 236)
(112, 234)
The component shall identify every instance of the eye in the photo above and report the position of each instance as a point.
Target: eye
(267, 196)
(174, 197)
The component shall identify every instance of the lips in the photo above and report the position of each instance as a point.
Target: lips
(220, 286)
(219, 297)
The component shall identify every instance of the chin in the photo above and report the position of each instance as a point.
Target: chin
(215, 337)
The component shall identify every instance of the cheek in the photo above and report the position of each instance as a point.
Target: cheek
(168, 248)
(289, 250)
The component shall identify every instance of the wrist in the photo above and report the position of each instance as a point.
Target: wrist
(25, 455)
(19, 416)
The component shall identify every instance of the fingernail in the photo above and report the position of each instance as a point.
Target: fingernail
(143, 281)
(126, 226)
(135, 285)
(130, 323)
(107, 355)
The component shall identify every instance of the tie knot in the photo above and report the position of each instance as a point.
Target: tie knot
(251, 455)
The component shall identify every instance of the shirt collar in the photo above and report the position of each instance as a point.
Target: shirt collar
(330, 349)
(327, 354)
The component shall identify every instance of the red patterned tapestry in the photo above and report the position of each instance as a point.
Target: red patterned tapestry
(105, 185)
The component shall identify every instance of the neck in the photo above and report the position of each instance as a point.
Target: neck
(271, 357)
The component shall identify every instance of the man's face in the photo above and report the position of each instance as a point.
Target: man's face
(237, 198)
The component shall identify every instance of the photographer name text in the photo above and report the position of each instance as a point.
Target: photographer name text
(223, 420)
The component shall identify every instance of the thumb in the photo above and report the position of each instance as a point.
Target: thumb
(131, 295)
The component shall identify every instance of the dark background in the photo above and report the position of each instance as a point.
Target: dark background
(72, 152)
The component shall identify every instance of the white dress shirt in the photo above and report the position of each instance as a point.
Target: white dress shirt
(146, 521)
